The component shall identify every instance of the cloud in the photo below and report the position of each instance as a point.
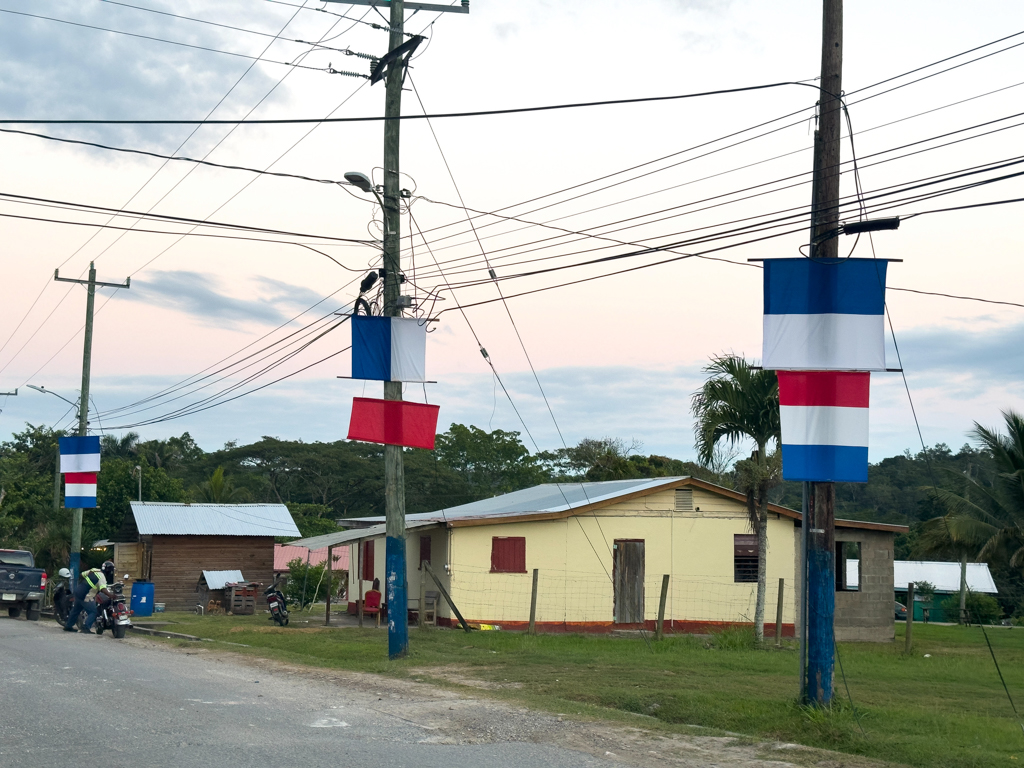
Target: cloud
(56, 70)
(988, 356)
(202, 296)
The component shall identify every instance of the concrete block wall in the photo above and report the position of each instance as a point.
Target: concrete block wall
(867, 614)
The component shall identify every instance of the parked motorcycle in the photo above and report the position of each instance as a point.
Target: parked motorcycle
(277, 604)
(63, 597)
(112, 613)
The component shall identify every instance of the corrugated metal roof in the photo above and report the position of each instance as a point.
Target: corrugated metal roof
(217, 579)
(285, 553)
(356, 534)
(550, 497)
(165, 519)
(945, 577)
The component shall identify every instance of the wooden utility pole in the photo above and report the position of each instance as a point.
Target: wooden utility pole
(394, 469)
(821, 563)
(83, 403)
(533, 603)
(396, 586)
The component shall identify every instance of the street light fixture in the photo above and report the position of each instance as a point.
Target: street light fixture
(46, 391)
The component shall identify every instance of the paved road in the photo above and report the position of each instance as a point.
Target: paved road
(68, 701)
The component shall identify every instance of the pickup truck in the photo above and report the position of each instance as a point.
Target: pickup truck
(21, 584)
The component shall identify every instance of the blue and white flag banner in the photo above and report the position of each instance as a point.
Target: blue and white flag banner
(80, 454)
(824, 315)
(389, 348)
(824, 420)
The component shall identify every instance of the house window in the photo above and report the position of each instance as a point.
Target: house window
(744, 557)
(424, 550)
(508, 554)
(367, 561)
(847, 566)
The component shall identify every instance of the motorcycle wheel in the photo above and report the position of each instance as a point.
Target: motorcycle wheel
(286, 622)
(279, 619)
(118, 631)
(81, 621)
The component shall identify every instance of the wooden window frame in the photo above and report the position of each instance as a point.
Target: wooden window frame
(508, 556)
(368, 548)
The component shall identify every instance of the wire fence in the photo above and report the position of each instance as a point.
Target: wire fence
(578, 600)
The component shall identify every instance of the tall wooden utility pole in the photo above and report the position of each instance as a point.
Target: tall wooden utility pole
(83, 403)
(394, 470)
(396, 587)
(820, 566)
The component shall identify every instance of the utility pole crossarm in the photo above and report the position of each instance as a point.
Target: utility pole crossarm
(56, 276)
(9, 394)
(433, 7)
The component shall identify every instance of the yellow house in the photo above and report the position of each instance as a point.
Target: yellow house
(600, 552)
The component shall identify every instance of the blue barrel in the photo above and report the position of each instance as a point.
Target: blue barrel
(142, 598)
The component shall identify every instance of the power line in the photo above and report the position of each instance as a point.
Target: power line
(381, 118)
(183, 45)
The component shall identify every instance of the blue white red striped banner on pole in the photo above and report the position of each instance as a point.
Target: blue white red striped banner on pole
(79, 490)
(389, 348)
(80, 454)
(824, 315)
(824, 418)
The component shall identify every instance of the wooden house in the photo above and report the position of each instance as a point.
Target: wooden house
(601, 551)
(172, 544)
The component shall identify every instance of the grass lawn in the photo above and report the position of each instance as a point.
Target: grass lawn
(944, 709)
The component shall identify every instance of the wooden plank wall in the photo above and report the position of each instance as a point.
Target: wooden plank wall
(178, 561)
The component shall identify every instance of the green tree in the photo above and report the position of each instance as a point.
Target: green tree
(219, 489)
(739, 403)
(492, 463)
(117, 485)
(985, 519)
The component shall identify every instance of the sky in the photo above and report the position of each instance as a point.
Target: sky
(233, 339)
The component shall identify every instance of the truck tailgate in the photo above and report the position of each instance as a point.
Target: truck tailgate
(20, 580)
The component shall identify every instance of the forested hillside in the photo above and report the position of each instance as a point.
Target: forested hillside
(321, 482)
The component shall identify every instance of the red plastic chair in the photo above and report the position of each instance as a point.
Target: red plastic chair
(371, 604)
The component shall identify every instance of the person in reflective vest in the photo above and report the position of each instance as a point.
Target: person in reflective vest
(92, 582)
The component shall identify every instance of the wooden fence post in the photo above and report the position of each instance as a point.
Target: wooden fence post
(910, 617)
(359, 578)
(533, 604)
(422, 617)
(447, 597)
(661, 608)
(778, 614)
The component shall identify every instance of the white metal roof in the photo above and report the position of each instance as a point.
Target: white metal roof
(356, 534)
(217, 579)
(945, 577)
(549, 497)
(166, 519)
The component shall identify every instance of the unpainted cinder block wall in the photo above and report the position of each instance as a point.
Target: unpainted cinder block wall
(867, 615)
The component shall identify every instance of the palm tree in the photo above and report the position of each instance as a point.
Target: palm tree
(740, 403)
(219, 490)
(124, 447)
(986, 521)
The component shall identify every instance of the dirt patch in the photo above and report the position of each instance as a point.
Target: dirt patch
(470, 716)
(456, 674)
(278, 630)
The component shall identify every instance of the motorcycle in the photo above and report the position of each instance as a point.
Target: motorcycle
(277, 604)
(112, 613)
(63, 597)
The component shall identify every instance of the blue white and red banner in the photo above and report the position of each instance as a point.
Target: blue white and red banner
(80, 454)
(79, 490)
(824, 419)
(824, 315)
(389, 348)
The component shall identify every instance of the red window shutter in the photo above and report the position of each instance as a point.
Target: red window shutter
(367, 561)
(508, 554)
(424, 550)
